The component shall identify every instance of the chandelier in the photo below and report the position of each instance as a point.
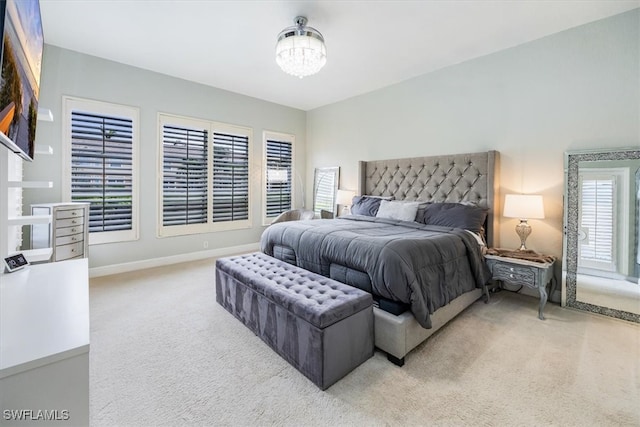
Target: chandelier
(300, 50)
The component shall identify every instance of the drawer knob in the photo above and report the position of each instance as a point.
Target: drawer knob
(73, 222)
(511, 275)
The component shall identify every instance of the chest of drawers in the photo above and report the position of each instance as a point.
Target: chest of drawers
(67, 234)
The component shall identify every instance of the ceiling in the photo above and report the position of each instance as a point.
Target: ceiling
(370, 44)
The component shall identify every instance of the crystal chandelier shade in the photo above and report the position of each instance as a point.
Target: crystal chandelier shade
(300, 50)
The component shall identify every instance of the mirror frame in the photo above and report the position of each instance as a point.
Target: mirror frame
(335, 171)
(571, 213)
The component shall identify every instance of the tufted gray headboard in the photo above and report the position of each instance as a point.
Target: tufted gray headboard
(472, 177)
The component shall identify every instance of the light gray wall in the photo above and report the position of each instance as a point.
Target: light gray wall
(66, 72)
(573, 90)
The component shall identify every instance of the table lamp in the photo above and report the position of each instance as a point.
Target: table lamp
(344, 198)
(524, 207)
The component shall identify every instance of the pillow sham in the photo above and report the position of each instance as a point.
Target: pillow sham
(456, 215)
(366, 205)
(400, 210)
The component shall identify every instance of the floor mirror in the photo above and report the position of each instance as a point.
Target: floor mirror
(325, 187)
(601, 265)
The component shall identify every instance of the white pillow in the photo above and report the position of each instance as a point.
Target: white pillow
(396, 209)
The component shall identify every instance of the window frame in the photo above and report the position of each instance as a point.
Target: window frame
(71, 103)
(211, 127)
(620, 235)
(279, 137)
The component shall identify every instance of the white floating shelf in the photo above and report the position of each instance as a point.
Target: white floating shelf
(38, 255)
(45, 115)
(29, 219)
(30, 184)
(43, 149)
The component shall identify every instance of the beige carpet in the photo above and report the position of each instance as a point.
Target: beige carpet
(164, 353)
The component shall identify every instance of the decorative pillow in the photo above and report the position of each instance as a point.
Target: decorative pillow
(395, 209)
(456, 215)
(366, 205)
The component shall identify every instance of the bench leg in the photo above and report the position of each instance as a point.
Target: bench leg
(395, 360)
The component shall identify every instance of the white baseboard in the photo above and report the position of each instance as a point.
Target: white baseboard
(173, 259)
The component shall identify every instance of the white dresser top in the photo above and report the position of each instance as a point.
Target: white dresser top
(44, 315)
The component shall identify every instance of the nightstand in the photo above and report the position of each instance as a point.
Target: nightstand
(522, 272)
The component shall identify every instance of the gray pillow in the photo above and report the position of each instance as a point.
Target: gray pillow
(366, 205)
(456, 215)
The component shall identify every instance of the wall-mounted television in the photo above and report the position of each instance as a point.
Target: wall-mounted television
(22, 46)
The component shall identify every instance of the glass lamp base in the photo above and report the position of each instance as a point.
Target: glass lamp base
(523, 230)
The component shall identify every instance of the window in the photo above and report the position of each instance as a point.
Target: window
(230, 177)
(184, 168)
(205, 176)
(100, 166)
(278, 174)
(603, 206)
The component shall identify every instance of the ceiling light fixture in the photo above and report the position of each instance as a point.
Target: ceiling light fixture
(300, 50)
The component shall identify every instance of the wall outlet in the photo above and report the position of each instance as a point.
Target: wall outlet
(205, 244)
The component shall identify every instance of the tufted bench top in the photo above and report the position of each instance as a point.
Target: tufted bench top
(317, 299)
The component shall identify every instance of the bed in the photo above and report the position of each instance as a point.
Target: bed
(403, 244)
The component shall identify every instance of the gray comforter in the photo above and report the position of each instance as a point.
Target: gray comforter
(424, 266)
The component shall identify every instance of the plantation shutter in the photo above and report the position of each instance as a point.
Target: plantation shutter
(101, 169)
(184, 175)
(279, 179)
(597, 222)
(230, 177)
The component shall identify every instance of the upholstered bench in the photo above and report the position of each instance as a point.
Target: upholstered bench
(322, 327)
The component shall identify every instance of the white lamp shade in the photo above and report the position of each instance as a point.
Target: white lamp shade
(344, 197)
(523, 206)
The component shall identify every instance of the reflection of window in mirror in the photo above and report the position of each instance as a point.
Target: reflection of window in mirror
(325, 185)
(604, 212)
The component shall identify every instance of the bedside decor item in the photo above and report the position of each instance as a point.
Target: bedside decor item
(300, 50)
(533, 273)
(344, 198)
(15, 262)
(524, 207)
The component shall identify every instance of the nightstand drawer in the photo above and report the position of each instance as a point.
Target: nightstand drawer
(521, 275)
